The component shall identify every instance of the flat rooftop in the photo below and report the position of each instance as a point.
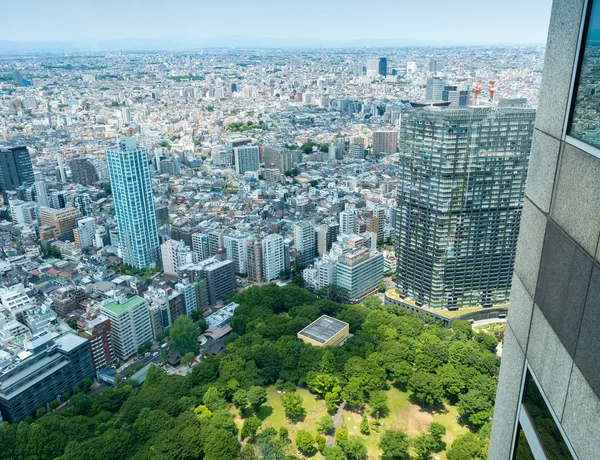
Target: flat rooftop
(323, 328)
(118, 308)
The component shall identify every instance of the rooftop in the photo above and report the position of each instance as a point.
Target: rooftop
(323, 328)
(118, 308)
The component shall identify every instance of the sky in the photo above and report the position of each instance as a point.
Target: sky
(432, 21)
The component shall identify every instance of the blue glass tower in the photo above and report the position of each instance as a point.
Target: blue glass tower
(134, 204)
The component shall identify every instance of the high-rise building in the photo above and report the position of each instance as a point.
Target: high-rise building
(83, 203)
(246, 158)
(327, 235)
(359, 273)
(174, 254)
(84, 171)
(61, 221)
(458, 97)
(276, 158)
(200, 246)
(347, 222)
(41, 193)
(217, 272)
(45, 368)
(273, 261)
(23, 212)
(548, 399)
(435, 88)
(85, 232)
(304, 241)
(235, 245)
(254, 257)
(129, 172)
(435, 65)
(15, 168)
(385, 142)
(98, 331)
(130, 325)
(461, 184)
(383, 66)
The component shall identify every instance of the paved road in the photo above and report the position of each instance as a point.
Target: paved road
(338, 419)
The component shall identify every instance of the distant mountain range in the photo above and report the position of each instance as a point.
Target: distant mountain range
(240, 42)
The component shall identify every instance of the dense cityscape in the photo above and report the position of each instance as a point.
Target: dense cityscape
(272, 254)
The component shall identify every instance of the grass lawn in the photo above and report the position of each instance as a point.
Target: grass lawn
(404, 415)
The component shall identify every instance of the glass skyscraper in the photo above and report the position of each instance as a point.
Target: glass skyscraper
(134, 204)
(15, 168)
(461, 184)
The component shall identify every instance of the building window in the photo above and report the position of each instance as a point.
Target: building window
(538, 430)
(585, 116)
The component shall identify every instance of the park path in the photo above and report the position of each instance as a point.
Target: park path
(338, 419)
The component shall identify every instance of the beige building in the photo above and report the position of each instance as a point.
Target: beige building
(325, 332)
(62, 221)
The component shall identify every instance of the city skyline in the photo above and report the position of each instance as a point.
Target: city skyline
(333, 23)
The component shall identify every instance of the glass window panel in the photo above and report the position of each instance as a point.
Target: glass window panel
(585, 120)
(522, 450)
(548, 433)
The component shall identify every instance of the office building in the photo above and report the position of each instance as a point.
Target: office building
(458, 97)
(40, 372)
(134, 204)
(383, 66)
(23, 212)
(435, 88)
(15, 168)
(85, 232)
(385, 142)
(174, 254)
(548, 399)
(15, 300)
(462, 179)
(326, 236)
(88, 171)
(41, 193)
(277, 158)
(359, 273)
(304, 241)
(217, 272)
(200, 247)
(435, 65)
(215, 242)
(235, 246)
(130, 325)
(273, 261)
(61, 221)
(356, 151)
(246, 158)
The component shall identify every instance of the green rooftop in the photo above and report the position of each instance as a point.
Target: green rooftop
(118, 308)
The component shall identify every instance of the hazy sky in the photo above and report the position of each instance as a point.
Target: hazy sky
(481, 21)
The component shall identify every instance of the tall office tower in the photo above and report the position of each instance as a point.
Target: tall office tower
(200, 246)
(276, 158)
(126, 114)
(85, 232)
(61, 221)
(84, 171)
(215, 242)
(41, 192)
(246, 158)
(458, 97)
(359, 273)
(385, 142)
(17, 78)
(383, 66)
(273, 261)
(61, 168)
(235, 246)
(435, 65)
(347, 222)
(435, 88)
(44, 368)
(130, 325)
(548, 400)
(134, 203)
(372, 67)
(304, 241)
(15, 168)
(254, 257)
(461, 184)
(174, 254)
(83, 203)
(356, 69)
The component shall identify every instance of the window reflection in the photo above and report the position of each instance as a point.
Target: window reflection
(585, 121)
(523, 451)
(548, 433)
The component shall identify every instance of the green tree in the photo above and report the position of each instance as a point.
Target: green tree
(364, 425)
(240, 399)
(188, 359)
(325, 424)
(373, 302)
(257, 396)
(305, 443)
(283, 432)
(424, 446)
(334, 453)
(250, 427)
(426, 388)
(466, 447)
(354, 393)
(223, 444)
(355, 448)
(382, 287)
(332, 400)
(379, 404)
(292, 403)
(395, 445)
(321, 442)
(213, 400)
(475, 408)
(183, 335)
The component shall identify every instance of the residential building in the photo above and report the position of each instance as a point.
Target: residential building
(23, 212)
(548, 399)
(67, 299)
(359, 273)
(273, 261)
(130, 325)
(85, 171)
(215, 242)
(326, 236)
(217, 272)
(246, 158)
(61, 221)
(85, 232)
(15, 300)
(462, 179)
(304, 241)
(15, 168)
(385, 142)
(347, 222)
(277, 158)
(44, 369)
(254, 258)
(200, 246)
(174, 254)
(98, 332)
(188, 291)
(235, 245)
(134, 204)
